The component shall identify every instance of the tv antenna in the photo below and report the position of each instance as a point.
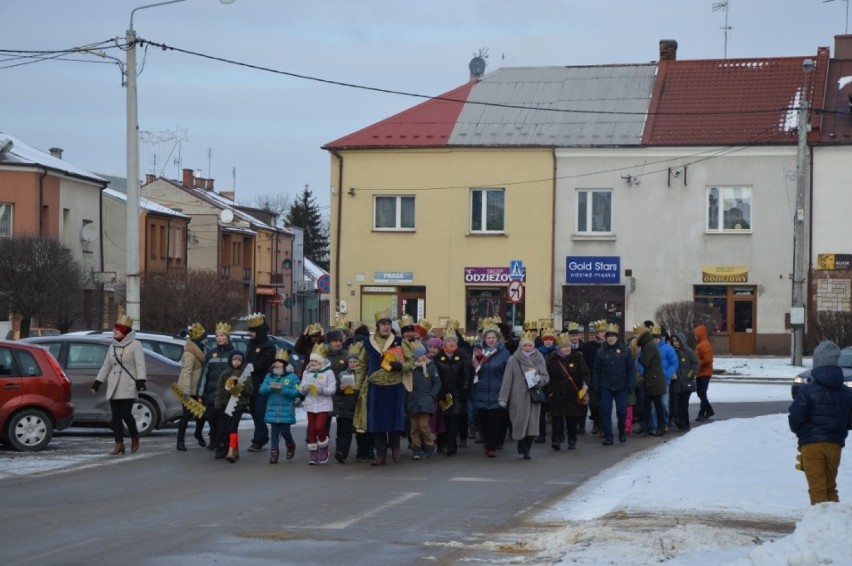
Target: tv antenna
(725, 6)
(847, 13)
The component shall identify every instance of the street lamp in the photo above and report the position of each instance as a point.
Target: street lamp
(797, 310)
(132, 216)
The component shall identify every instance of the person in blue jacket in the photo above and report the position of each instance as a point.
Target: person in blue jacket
(821, 416)
(613, 376)
(280, 387)
(489, 363)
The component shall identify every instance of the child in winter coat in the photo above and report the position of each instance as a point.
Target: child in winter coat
(420, 402)
(281, 388)
(230, 385)
(345, 398)
(318, 385)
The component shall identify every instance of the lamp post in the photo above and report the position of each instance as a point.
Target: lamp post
(132, 212)
(797, 310)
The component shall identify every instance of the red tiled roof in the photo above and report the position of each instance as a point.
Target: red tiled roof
(836, 127)
(731, 101)
(430, 123)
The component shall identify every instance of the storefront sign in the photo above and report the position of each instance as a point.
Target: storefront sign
(724, 274)
(593, 269)
(393, 277)
(834, 262)
(378, 289)
(485, 275)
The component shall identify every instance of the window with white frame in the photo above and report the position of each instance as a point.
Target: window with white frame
(729, 209)
(393, 213)
(487, 211)
(594, 211)
(5, 220)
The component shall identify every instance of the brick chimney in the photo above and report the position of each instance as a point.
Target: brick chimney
(668, 50)
(209, 184)
(56, 152)
(188, 178)
(149, 178)
(843, 47)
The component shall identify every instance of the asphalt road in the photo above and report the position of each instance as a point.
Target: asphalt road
(161, 506)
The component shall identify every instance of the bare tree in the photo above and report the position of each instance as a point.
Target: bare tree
(276, 203)
(40, 278)
(683, 316)
(835, 326)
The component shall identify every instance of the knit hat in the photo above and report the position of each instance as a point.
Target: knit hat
(419, 351)
(436, 343)
(826, 354)
(333, 335)
(352, 356)
(319, 353)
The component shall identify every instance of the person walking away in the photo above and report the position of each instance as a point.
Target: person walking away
(821, 416)
(216, 361)
(705, 371)
(234, 391)
(191, 363)
(281, 388)
(651, 378)
(567, 390)
(124, 372)
(318, 386)
(260, 353)
(525, 370)
(614, 375)
(683, 381)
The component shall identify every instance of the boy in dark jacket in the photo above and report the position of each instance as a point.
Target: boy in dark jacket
(821, 415)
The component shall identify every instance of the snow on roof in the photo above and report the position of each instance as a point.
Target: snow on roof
(313, 271)
(145, 203)
(23, 153)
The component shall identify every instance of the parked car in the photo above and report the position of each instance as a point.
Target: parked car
(35, 396)
(16, 334)
(164, 344)
(240, 339)
(845, 362)
(81, 357)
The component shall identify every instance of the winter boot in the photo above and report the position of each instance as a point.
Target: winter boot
(199, 436)
(181, 444)
(233, 448)
(528, 441)
(134, 444)
(628, 424)
(314, 450)
(118, 449)
(291, 450)
(323, 451)
(273, 456)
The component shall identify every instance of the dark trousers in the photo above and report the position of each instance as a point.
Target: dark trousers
(609, 396)
(227, 425)
(184, 422)
(456, 424)
(493, 423)
(703, 383)
(681, 411)
(657, 401)
(211, 415)
(343, 442)
(542, 420)
(385, 440)
(364, 446)
(279, 430)
(258, 413)
(122, 412)
(561, 424)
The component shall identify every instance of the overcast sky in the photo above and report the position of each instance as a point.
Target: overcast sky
(270, 127)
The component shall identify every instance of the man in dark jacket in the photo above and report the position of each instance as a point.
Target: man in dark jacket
(821, 415)
(652, 377)
(613, 376)
(216, 361)
(261, 354)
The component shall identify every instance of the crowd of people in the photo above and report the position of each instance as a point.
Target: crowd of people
(432, 387)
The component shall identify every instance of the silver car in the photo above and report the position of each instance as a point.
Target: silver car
(845, 363)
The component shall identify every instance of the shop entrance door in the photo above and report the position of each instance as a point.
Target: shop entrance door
(742, 313)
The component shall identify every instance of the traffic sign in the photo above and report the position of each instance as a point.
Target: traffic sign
(516, 292)
(516, 270)
(324, 283)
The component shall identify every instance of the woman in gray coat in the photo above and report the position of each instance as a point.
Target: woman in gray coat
(526, 369)
(124, 372)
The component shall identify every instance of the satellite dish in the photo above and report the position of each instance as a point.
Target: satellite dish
(89, 233)
(226, 216)
(477, 66)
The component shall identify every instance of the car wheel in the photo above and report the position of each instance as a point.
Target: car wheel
(29, 430)
(145, 415)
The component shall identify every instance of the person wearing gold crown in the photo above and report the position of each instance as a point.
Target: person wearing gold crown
(652, 378)
(590, 352)
(124, 371)
(567, 390)
(318, 385)
(310, 337)
(191, 363)
(281, 389)
(489, 365)
(456, 373)
(613, 376)
(525, 370)
(216, 361)
(380, 408)
(260, 354)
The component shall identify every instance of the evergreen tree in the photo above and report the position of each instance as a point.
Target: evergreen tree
(305, 214)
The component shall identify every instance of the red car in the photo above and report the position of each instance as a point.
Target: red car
(35, 396)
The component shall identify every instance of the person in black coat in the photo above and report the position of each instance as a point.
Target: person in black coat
(456, 371)
(821, 416)
(590, 352)
(216, 361)
(261, 354)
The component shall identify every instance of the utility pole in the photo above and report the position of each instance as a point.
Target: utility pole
(797, 310)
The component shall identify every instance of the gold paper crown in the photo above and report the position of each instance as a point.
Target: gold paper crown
(406, 320)
(530, 325)
(573, 327)
(255, 319)
(453, 324)
(657, 330)
(490, 323)
(223, 328)
(125, 320)
(196, 331)
(599, 325)
(563, 340)
(640, 329)
(424, 324)
(548, 332)
(320, 350)
(282, 355)
(612, 327)
(528, 336)
(344, 324)
(382, 314)
(314, 328)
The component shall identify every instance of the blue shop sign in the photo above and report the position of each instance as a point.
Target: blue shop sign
(593, 269)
